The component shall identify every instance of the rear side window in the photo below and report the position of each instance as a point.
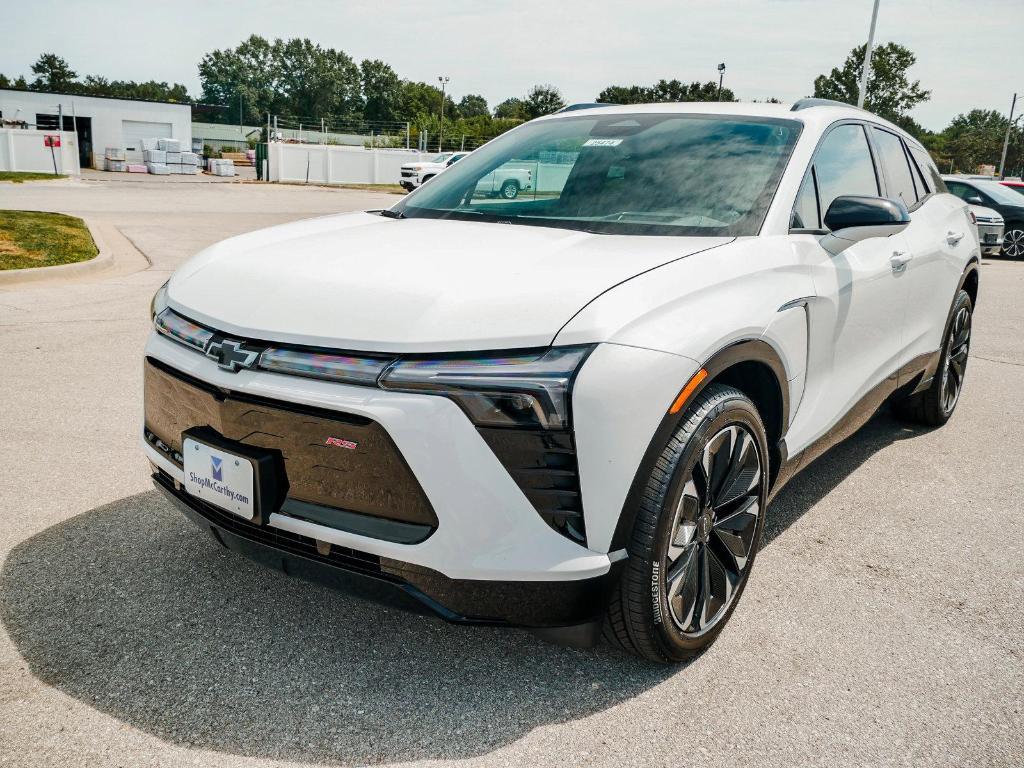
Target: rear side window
(900, 182)
(927, 166)
(843, 166)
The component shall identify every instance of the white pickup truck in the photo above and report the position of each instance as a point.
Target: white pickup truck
(415, 174)
(506, 182)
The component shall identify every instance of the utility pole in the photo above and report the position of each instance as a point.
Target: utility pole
(721, 75)
(1006, 139)
(866, 71)
(443, 80)
(241, 130)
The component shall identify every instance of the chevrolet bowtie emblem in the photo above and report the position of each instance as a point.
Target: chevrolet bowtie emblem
(230, 356)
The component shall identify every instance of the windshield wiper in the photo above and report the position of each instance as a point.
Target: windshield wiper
(388, 213)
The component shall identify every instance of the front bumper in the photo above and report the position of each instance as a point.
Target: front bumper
(571, 610)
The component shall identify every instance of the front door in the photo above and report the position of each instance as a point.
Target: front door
(856, 317)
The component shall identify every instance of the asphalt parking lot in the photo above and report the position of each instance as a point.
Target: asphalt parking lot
(882, 625)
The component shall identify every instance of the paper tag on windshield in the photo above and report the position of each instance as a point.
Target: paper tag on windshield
(602, 142)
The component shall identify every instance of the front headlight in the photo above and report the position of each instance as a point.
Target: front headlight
(528, 389)
(159, 301)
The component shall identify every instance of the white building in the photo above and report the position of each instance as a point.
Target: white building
(98, 121)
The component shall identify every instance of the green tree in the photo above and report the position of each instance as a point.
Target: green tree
(53, 74)
(664, 91)
(976, 138)
(421, 101)
(511, 109)
(543, 100)
(890, 92)
(473, 105)
(249, 70)
(382, 91)
(317, 82)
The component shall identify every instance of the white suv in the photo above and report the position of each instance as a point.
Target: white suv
(569, 410)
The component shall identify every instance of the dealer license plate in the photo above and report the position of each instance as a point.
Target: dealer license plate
(219, 477)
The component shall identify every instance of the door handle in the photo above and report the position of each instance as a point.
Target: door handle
(954, 237)
(899, 260)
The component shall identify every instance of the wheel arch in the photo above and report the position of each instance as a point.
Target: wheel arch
(753, 367)
(969, 281)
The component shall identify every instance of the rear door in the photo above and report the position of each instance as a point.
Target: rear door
(939, 240)
(856, 318)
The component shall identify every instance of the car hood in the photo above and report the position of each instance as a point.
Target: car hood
(982, 213)
(364, 282)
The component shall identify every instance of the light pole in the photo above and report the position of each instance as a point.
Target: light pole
(866, 70)
(1006, 139)
(721, 76)
(443, 80)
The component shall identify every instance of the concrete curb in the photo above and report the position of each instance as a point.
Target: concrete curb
(103, 259)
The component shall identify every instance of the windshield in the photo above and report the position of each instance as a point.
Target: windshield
(438, 158)
(999, 193)
(657, 174)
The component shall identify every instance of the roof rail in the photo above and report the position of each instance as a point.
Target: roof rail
(808, 103)
(594, 105)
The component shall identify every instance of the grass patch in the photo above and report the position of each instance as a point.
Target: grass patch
(19, 176)
(32, 239)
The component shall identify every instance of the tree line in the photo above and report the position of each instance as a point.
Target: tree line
(303, 81)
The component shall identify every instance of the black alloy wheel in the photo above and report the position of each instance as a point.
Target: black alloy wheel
(957, 348)
(1013, 242)
(713, 533)
(934, 405)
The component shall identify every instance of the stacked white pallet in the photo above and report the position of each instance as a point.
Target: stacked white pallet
(156, 161)
(189, 163)
(114, 160)
(221, 167)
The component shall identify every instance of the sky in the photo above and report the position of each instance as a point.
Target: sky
(501, 48)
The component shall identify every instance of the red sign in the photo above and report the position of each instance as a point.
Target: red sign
(51, 141)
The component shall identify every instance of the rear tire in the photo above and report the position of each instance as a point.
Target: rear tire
(696, 533)
(510, 190)
(936, 404)
(1013, 242)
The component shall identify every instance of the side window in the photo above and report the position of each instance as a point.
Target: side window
(961, 190)
(927, 166)
(897, 167)
(843, 166)
(805, 212)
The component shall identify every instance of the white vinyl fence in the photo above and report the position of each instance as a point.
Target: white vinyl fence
(26, 150)
(330, 164)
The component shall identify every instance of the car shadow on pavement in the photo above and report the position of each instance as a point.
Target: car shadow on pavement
(133, 610)
(822, 475)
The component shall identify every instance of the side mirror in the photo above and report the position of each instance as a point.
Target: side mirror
(851, 219)
(975, 200)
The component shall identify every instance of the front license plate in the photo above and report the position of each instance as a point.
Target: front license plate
(991, 237)
(219, 478)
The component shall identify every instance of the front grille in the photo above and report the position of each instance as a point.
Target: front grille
(370, 479)
(408, 174)
(543, 464)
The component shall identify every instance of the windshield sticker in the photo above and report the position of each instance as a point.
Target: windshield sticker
(602, 142)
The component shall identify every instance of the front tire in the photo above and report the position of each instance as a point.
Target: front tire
(936, 404)
(696, 533)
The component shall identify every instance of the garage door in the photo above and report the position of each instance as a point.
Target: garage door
(133, 130)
